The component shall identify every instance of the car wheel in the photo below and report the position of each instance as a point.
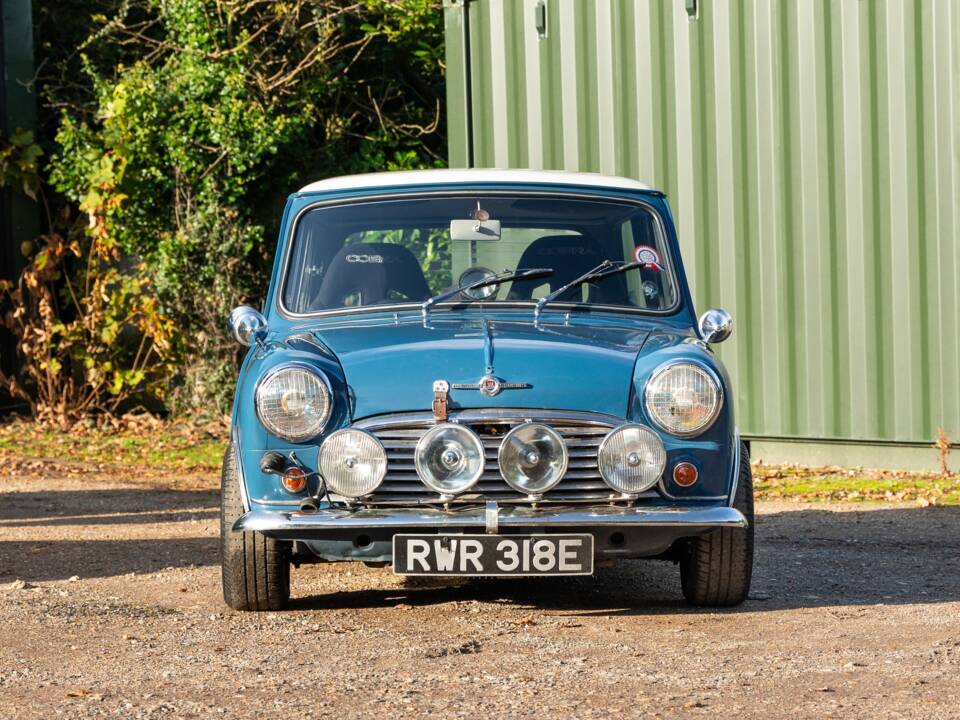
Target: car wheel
(717, 567)
(256, 568)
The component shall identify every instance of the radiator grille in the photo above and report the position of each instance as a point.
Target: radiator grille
(581, 483)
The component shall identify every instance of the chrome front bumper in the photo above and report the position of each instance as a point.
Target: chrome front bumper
(291, 525)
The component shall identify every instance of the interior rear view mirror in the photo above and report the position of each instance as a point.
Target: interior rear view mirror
(475, 229)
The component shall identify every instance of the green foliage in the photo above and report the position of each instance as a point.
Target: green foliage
(91, 337)
(20, 163)
(193, 119)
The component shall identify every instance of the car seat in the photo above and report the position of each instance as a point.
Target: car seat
(570, 256)
(372, 274)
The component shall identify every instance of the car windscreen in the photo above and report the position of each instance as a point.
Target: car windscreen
(403, 251)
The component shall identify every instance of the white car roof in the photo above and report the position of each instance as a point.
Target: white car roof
(403, 178)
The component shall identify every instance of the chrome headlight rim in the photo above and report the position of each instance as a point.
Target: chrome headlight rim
(560, 441)
(666, 367)
(271, 373)
(474, 438)
(353, 431)
(609, 436)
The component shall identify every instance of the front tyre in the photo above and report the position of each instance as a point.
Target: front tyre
(256, 568)
(717, 567)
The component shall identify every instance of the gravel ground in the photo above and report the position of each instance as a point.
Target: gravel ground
(110, 607)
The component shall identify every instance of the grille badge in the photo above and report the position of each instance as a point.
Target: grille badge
(491, 386)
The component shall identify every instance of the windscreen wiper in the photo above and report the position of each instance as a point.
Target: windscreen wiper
(603, 270)
(490, 280)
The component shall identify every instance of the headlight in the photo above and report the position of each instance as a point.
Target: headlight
(449, 459)
(683, 398)
(631, 459)
(352, 463)
(533, 458)
(293, 402)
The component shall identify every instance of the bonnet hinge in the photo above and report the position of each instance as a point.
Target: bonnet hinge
(440, 400)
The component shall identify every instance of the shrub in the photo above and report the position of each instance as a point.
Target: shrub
(91, 336)
(189, 123)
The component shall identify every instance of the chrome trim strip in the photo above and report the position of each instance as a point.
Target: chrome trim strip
(413, 193)
(601, 516)
(736, 467)
(235, 441)
(378, 422)
(277, 503)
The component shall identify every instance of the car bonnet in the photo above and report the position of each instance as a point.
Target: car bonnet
(391, 366)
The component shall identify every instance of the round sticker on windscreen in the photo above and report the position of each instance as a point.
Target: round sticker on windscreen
(647, 255)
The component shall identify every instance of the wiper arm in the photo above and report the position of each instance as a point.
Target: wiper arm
(498, 279)
(604, 269)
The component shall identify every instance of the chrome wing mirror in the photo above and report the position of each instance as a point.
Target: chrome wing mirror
(247, 325)
(716, 325)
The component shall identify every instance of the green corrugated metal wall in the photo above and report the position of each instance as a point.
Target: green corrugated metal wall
(810, 152)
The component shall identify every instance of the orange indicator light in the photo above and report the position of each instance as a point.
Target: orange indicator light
(685, 474)
(294, 480)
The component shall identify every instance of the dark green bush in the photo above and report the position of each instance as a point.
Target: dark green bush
(191, 120)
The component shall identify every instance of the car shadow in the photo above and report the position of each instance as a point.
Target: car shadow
(66, 506)
(805, 558)
(35, 561)
(36, 543)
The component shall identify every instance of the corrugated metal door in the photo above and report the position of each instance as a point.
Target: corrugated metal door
(810, 152)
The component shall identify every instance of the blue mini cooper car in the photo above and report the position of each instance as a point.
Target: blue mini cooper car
(482, 372)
